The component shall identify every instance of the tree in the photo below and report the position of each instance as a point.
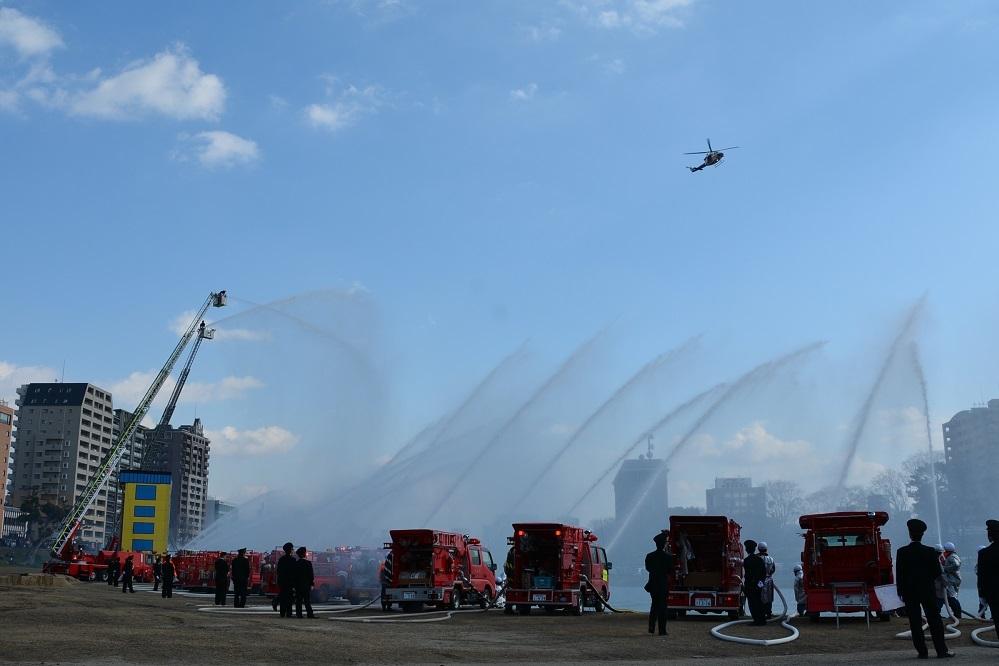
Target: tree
(892, 485)
(784, 502)
(42, 518)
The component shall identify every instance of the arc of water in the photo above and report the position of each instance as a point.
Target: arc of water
(864, 414)
(643, 373)
(661, 423)
(756, 374)
(550, 382)
(918, 367)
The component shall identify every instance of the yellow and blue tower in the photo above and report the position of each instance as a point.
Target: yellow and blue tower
(145, 524)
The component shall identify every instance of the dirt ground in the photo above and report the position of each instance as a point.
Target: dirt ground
(94, 623)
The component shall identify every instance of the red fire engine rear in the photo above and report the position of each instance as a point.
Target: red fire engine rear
(707, 557)
(555, 566)
(441, 568)
(845, 558)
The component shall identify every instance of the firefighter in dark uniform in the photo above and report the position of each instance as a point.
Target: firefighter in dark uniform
(221, 579)
(286, 579)
(988, 568)
(386, 580)
(917, 568)
(240, 578)
(157, 573)
(168, 574)
(114, 569)
(127, 574)
(304, 580)
(659, 564)
(754, 572)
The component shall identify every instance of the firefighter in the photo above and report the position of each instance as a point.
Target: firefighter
(221, 579)
(917, 569)
(157, 573)
(659, 564)
(988, 569)
(770, 566)
(304, 580)
(168, 571)
(240, 578)
(126, 579)
(114, 569)
(952, 577)
(800, 596)
(754, 572)
(286, 579)
(386, 580)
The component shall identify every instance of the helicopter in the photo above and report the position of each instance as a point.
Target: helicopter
(712, 157)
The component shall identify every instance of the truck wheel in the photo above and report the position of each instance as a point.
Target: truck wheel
(484, 598)
(598, 604)
(523, 609)
(507, 609)
(455, 599)
(321, 594)
(577, 608)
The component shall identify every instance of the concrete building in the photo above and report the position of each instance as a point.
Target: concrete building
(63, 432)
(188, 452)
(633, 479)
(6, 433)
(971, 446)
(14, 528)
(737, 498)
(217, 509)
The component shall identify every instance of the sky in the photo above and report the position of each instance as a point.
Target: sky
(445, 180)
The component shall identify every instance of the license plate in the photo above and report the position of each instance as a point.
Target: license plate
(409, 595)
(702, 602)
(539, 597)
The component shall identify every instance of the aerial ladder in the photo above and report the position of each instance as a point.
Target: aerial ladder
(62, 545)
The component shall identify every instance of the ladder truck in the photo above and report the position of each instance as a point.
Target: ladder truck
(62, 546)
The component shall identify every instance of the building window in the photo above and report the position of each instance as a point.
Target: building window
(143, 528)
(145, 492)
(142, 544)
(145, 512)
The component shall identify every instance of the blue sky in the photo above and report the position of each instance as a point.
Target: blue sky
(487, 172)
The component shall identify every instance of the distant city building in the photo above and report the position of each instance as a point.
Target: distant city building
(187, 451)
(6, 432)
(640, 488)
(971, 446)
(736, 497)
(63, 432)
(217, 509)
(14, 525)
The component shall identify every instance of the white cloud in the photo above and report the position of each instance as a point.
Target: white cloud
(12, 376)
(754, 444)
(26, 35)
(128, 391)
(260, 442)
(348, 106)
(217, 149)
(643, 16)
(524, 94)
(171, 84)
(542, 33)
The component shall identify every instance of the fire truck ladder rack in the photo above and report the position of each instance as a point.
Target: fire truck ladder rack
(110, 463)
(783, 619)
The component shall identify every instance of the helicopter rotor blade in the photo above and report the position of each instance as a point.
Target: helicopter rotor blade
(700, 153)
(710, 149)
(729, 148)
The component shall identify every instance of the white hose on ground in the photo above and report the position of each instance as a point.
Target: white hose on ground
(950, 630)
(976, 636)
(606, 603)
(782, 619)
(440, 616)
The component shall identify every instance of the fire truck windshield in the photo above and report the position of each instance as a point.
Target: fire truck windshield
(842, 540)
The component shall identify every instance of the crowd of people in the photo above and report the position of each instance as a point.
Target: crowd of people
(926, 579)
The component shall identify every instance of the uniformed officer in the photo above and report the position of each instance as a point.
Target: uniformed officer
(127, 575)
(286, 579)
(659, 564)
(754, 573)
(304, 580)
(240, 578)
(917, 568)
(988, 568)
(221, 579)
(168, 575)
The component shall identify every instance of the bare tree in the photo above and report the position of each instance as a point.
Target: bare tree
(893, 486)
(784, 502)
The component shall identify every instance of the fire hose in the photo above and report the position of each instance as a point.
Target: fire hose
(951, 630)
(976, 636)
(782, 619)
(604, 601)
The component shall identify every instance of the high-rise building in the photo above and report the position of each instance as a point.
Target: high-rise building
(736, 498)
(641, 491)
(187, 451)
(217, 509)
(6, 431)
(63, 432)
(971, 445)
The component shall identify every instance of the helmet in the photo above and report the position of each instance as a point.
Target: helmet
(939, 548)
(797, 568)
(762, 545)
(949, 547)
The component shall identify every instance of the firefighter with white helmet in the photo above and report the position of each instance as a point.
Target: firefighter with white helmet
(800, 596)
(952, 577)
(768, 583)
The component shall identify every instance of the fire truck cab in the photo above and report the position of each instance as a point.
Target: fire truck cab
(707, 555)
(441, 568)
(555, 566)
(845, 558)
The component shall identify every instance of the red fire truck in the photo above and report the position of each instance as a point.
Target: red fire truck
(553, 566)
(195, 569)
(707, 556)
(442, 568)
(339, 572)
(845, 558)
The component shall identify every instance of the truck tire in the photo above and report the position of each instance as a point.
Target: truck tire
(577, 608)
(485, 597)
(455, 599)
(598, 604)
(507, 609)
(321, 594)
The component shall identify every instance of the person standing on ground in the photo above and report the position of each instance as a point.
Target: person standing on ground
(240, 578)
(952, 577)
(286, 579)
(917, 568)
(304, 580)
(114, 569)
(127, 575)
(168, 571)
(754, 572)
(221, 579)
(988, 569)
(767, 592)
(157, 573)
(800, 596)
(659, 564)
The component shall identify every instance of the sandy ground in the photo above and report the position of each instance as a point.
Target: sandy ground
(94, 623)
